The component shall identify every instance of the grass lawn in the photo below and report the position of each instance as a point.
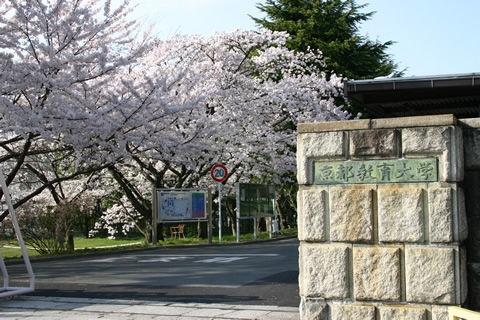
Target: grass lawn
(11, 249)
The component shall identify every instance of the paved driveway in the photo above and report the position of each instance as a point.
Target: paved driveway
(262, 273)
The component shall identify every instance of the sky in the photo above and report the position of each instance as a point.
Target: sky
(432, 37)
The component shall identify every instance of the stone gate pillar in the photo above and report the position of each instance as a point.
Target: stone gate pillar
(381, 218)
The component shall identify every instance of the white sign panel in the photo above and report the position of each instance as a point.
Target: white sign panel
(181, 205)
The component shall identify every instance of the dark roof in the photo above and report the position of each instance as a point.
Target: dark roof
(397, 97)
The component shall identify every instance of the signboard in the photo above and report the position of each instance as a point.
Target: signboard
(176, 205)
(256, 200)
(376, 171)
(219, 173)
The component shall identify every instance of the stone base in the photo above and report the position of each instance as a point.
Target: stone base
(319, 309)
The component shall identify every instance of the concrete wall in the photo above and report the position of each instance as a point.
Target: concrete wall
(388, 249)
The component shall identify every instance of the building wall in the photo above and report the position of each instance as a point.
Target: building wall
(471, 137)
(388, 247)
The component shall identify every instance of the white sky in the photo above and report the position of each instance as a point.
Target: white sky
(433, 37)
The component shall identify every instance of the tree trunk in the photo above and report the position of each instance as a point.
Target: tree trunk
(70, 242)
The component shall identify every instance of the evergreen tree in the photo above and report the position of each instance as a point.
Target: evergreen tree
(330, 26)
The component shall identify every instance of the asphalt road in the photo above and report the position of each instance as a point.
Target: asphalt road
(262, 273)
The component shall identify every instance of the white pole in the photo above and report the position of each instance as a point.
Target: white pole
(154, 215)
(238, 211)
(16, 227)
(219, 212)
(210, 214)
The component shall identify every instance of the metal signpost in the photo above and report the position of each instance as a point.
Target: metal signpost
(219, 173)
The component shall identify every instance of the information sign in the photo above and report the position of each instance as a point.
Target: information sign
(181, 205)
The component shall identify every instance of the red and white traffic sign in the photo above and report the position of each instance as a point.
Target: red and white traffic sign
(219, 172)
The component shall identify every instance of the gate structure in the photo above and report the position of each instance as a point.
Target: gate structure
(381, 219)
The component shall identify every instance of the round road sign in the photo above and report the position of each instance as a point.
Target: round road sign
(219, 172)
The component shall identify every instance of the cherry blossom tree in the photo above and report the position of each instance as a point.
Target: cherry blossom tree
(254, 92)
(249, 92)
(76, 94)
(83, 92)
(62, 100)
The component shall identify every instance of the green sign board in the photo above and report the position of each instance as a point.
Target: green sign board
(256, 200)
(376, 171)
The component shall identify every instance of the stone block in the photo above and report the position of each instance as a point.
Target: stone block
(402, 313)
(312, 222)
(472, 191)
(351, 214)
(447, 214)
(456, 157)
(313, 309)
(462, 279)
(351, 311)
(322, 145)
(474, 285)
(333, 126)
(471, 142)
(440, 313)
(401, 214)
(377, 273)
(473, 243)
(441, 210)
(415, 121)
(469, 123)
(426, 140)
(444, 142)
(430, 275)
(461, 233)
(323, 270)
(373, 143)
